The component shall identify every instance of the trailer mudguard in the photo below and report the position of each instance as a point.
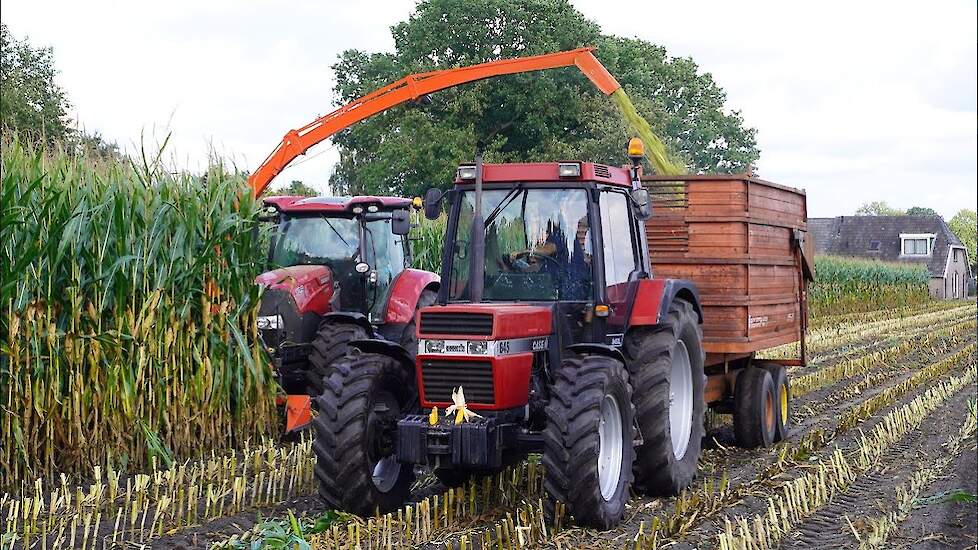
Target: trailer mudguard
(407, 288)
(654, 296)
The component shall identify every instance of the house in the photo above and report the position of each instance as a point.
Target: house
(915, 239)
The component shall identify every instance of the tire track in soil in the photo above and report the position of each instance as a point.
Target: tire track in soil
(830, 528)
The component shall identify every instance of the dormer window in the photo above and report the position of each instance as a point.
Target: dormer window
(916, 244)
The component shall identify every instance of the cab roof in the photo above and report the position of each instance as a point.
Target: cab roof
(335, 205)
(548, 171)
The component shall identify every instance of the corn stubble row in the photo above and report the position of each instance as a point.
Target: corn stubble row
(879, 528)
(126, 310)
(800, 498)
(141, 507)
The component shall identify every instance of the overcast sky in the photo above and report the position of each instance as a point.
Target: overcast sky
(853, 101)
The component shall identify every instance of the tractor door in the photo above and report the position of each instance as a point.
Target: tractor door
(619, 253)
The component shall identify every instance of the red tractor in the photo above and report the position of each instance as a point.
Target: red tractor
(341, 273)
(551, 324)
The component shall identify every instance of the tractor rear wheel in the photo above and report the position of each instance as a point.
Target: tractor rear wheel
(666, 369)
(355, 434)
(755, 411)
(330, 345)
(588, 441)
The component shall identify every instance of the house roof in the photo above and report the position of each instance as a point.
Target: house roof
(858, 235)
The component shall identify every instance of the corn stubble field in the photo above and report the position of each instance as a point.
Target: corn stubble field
(138, 412)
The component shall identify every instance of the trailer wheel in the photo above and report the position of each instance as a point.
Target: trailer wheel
(755, 409)
(356, 430)
(782, 401)
(329, 346)
(588, 441)
(666, 369)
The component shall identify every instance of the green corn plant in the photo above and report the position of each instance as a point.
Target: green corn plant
(128, 313)
(847, 285)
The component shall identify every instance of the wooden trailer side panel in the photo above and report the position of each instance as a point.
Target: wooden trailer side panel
(735, 238)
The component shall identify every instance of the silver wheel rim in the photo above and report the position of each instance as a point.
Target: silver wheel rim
(386, 472)
(609, 447)
(680, 400)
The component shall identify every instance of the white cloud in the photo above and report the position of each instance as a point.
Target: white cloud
(854, 101)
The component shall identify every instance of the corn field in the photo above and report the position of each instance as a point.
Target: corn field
(846, 285)
(128, 306)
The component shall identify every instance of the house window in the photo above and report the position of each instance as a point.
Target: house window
(874, 246)
(915, 244)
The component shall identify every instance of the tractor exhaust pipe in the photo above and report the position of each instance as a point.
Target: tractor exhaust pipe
(477, 240)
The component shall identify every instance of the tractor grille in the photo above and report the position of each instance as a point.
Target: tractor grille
(469, 324)
(441, 377)
(602, 171)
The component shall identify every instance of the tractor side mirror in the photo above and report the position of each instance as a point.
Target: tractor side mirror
(432, 203)
(400, 222)
(642, 202)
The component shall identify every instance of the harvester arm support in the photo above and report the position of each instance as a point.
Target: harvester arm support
(411, 87)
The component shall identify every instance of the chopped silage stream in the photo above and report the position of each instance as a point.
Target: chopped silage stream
(845, 395)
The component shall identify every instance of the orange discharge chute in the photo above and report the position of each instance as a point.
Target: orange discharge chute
(411, 87)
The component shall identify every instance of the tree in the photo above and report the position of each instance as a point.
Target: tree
(31, 103)
(296, 187)
(525, 117)
(964, 224)
(879, 208)
(921, 211)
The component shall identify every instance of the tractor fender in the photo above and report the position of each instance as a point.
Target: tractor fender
(407, 288)
(654, 297)
(384, 347)
(352, 318)
(598, 349)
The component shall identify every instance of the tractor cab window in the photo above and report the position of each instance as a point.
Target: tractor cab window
(537, 245)
(385, 255)
(619, 252)
(316, 240)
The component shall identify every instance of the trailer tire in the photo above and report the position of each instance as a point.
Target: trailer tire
(355, 434)
(659, 469)
(588, 440)
(782, 399)
(329, 345)
(754, 408)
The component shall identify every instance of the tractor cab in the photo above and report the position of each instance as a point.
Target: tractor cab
(330, 256)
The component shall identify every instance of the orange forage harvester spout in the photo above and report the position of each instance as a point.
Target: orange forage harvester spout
(297, 142)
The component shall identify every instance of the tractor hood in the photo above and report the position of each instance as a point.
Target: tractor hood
(310, 286)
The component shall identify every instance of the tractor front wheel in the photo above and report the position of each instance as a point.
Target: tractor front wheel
(589, 440)
(331, 344)
(355, 434)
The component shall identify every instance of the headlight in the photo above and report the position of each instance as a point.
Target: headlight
(434, 346)
(568, 169)
(478, 347)
(466, 172)
(270, 322)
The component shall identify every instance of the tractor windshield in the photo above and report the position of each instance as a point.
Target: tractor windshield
(317, 240)
(537, 245)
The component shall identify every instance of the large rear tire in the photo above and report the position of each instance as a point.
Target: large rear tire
(666, 370)
(355, 433)
(331, 344)
(588, 442)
